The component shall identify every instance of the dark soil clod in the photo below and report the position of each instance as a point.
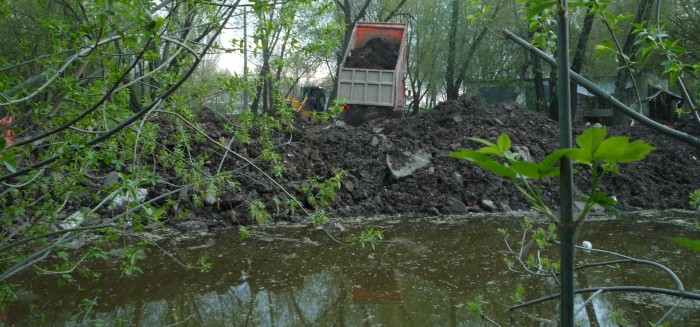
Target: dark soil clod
(375, 54)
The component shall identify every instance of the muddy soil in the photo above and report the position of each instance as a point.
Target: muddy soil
(375, 54)
(401, 166)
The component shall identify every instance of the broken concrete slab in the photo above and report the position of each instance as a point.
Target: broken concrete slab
(415, 161)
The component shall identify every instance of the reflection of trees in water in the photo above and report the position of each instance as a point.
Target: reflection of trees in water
(323, 299)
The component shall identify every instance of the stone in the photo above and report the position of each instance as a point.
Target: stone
(191, 226)
(73, 221)
(111, 179)
(489, 205)
(415, 161)
(457, 206)
(120, 201)
(458, 178)
(505, 207)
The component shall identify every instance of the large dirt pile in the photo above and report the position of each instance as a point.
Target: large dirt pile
(375, 54)
(400, 166)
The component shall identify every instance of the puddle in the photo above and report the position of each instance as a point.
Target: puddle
(422, 274)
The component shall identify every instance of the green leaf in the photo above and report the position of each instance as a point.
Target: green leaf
(10, 166)
(554, 157)
(611, 149)
(635, 151)
(551, 172)
(491, 150)
(469, 155)
(602, 199)
(684, 242)
(63, 255)
(482, 141)
(527, 169)
(588, 143)
(485, 162)
(606, 202)
(504, 142)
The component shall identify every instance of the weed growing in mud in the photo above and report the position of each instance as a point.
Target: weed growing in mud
(243, 233)
(258, 211)
(130, 259)
(204, 263)
(695, 199)
(318, 218)
(293, 204)
(371, 236)
(320, 193)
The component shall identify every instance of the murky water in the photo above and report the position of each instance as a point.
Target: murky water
(422, 274)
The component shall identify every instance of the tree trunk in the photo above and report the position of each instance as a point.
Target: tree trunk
(643, 13)
(450, 87)
(553, 98)
(350, 25)
(579, 55)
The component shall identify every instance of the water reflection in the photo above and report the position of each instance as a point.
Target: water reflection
(423, 275)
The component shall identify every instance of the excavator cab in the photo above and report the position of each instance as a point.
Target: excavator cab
(312, 99)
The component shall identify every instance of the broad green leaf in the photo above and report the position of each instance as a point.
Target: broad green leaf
(611, 167)
(527, 169)
(590, 140)
(611, 149)
(580, 156)
(554, 157)
(602, 199)
(635, 151)
(606, 202)
(469, 155)
(688, 243)
(480, 140)
(504, 142)
(485, 162)
(497, 168)
(491, 150)
(10, 166)
(551, 172)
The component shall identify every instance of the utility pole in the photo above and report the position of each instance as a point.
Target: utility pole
(245, 59)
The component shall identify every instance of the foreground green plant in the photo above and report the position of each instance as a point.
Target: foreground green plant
(601, 156)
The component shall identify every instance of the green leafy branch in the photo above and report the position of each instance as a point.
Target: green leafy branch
(600, 155)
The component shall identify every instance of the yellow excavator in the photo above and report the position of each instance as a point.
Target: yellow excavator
(312, 99)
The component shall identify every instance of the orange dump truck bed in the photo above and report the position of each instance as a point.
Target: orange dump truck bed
(371, 73)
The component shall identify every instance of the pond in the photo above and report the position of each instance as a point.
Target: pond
(423, 273)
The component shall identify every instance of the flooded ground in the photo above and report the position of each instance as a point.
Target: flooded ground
(422, 274)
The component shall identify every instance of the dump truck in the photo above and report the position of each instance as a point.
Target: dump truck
(370, 78)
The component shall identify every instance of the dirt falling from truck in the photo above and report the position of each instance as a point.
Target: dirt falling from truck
(375, 54)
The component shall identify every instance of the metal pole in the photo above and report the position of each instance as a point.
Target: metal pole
(566, 223)
(245, 59)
